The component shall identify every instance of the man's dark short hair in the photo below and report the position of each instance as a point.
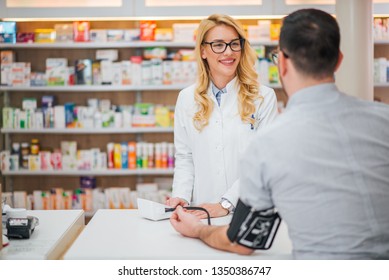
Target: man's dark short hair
(311, 39)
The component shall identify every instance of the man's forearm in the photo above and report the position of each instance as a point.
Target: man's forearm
(216, 237)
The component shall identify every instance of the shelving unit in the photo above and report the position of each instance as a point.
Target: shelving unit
(125, 130)
(130, 93)
(381, 90)
(86, 138)
(104, 172)
(94, 88)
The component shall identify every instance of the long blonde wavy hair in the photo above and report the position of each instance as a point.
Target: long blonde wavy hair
(247, 77)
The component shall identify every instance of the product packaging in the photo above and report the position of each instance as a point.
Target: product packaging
(64, 32)
(81, 31)
(147, 30)
(25, 37)
(56, 71)
(98, 35)
(44, 35)
(8, 32)
(83, 72)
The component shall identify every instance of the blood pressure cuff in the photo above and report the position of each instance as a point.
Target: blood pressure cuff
(254, 229)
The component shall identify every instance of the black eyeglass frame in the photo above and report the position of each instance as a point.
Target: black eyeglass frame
(241, 40)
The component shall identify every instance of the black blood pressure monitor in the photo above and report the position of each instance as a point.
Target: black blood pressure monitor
(21, 227)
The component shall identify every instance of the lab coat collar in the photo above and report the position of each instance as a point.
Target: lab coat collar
(231, 88)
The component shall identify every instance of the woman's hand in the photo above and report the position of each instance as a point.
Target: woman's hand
(175, 201)
(215, 210)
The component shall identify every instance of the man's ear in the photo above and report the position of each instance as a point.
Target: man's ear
(282, 64)
(340, 59)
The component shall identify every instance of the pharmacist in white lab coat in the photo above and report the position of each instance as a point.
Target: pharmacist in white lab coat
(216, 118)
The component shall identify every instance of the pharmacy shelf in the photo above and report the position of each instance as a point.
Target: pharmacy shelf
(123, 130)
(105, 172)
(94, 88)
(119, 45)
(381, 42)
(103, 88)
(274, 86)
(381, 85)
(97, 45)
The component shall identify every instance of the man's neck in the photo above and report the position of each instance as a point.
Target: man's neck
(304, 82)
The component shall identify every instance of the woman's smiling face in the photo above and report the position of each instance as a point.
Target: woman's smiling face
(223, 64)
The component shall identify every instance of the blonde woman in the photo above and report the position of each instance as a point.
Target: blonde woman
(216, 118)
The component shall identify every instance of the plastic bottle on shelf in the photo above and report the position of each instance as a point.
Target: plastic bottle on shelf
(164, 155)
(15, 157)
(110, 148)
(132, 155)
(34, 147)
(158, 163)
(139, 155)
(124, 155)
(150, 155)
(170, 155)
(49, 117)
(117, 156)
(145, 157)
(25, 152)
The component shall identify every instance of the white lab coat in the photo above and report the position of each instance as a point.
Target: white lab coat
(207, 162)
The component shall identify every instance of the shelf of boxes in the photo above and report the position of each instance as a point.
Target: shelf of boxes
(110, 45)
(101, 172)
(132, 48)
(381, 42)
(94, 88)
(108, 130)
(381, 85)
(102, 88)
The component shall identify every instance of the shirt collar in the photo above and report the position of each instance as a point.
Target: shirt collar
(322, 93)
(215, 89)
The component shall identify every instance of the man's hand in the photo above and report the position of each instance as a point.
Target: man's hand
(175, 201)
(214, 209)
(190, 225)
(186, 223)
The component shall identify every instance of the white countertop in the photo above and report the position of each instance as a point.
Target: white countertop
(123, 234)
(56, 231)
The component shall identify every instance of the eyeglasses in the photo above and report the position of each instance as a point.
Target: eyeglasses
(220, 47)
(274, 55)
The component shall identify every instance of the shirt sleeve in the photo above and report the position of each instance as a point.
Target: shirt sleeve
(254, 188)
(184, 168)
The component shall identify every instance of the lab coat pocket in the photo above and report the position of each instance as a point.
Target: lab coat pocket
(246, 133)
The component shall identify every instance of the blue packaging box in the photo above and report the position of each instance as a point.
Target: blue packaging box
(8, 32)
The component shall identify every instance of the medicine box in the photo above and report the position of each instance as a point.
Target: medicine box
(64, 32)
(8, 32)
(98, 35)
(44, 35)
(25, 37)
(83, 72)
(56, 71)
(81, 31)
(184, 32)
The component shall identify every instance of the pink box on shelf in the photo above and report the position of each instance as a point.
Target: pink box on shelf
(25, 37)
